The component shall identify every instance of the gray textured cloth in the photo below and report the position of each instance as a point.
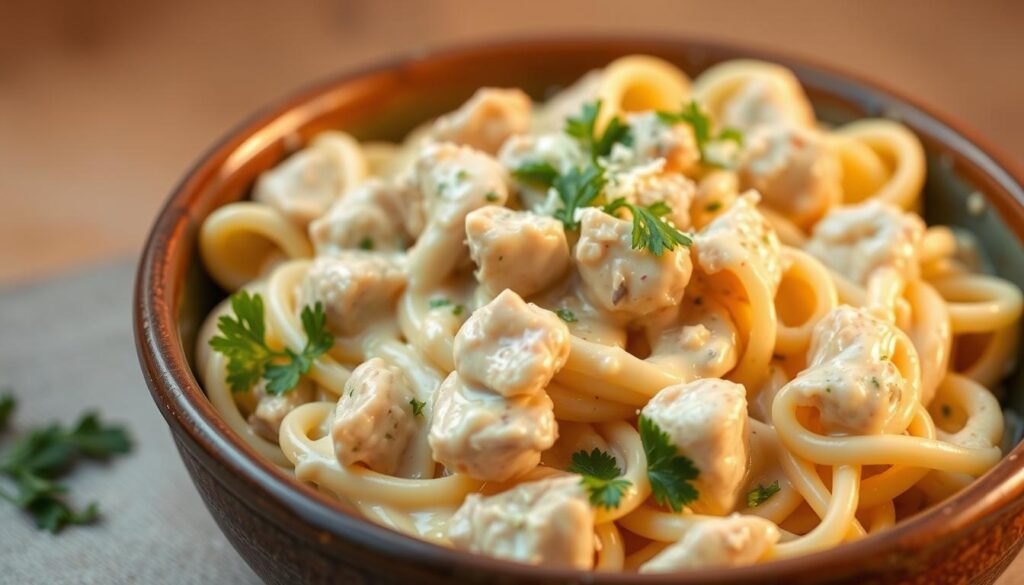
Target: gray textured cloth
(66, 346)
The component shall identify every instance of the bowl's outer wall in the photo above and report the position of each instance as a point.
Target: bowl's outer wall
(291, 534)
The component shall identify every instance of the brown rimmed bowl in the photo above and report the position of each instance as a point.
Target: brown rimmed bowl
(289, 533)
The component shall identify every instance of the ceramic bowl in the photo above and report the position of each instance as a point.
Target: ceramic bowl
(289, 533)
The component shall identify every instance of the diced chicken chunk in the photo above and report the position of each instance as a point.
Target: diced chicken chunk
(716, 192)
(850, 377)
(511, 347)
(655, 139)
(854, 240)
(487, 120)
(794, 169)
(355, 288)
(368, 216)
(547, 522)
(305, 185)
(557, 149)
(741, 236)
(768, 101)
(717, 542)
(701, 344)
(487, 436)
(271, 409)
(551, 115)
(648, 184)
(620, 279)
(374, 419)
(706, 420)
(516, 250)
(454, 180)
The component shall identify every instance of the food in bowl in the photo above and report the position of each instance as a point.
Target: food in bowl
(646, 325)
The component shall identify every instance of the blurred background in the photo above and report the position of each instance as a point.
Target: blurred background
(104, 104)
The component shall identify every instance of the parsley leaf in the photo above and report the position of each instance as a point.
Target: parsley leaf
(417, 406)
(758, 495)
(601, 477)
(242, 341)
(669, 472)
(566, 315)
(366, 243)
(37, 458)
(541, 174)
(583, 129)
(577, 189)
(7, 404)
(435, 303)
(649, 230)
(693, 115)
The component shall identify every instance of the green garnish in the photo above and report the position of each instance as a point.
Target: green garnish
(541, 174)
(669, 472)
(601, 477)
(650, 232)
(583, 129)
(7, 404)
(40, 456)
(417, 406)
(566, 315)
(435, 303)
(458, 310)
(249, 358)
(577, 189)
(713, 206)
(366, 243)
(758, 495)
(491, 196)
(693, 115)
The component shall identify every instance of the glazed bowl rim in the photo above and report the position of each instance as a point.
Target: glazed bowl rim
(186, 409)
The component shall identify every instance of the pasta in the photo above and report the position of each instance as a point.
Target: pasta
(649, 325)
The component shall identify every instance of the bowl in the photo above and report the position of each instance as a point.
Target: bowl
(289, 533)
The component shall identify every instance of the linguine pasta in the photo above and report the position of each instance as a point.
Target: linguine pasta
(651, 324)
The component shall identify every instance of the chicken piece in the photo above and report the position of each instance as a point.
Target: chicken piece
(850, 377)
(374, 418)
(738, 237)
(768, 101)
(487, 120)
(516, 250)
(270, 409)
(355, 288)
(454, 181)
(557, 149)
(646, 185)
(855, 240)
(487, 436)
(702, 344)
(551, 115)
(716, 192)
(706, 420)
(368, 216)
(654, 139)
(795, 171)
(510, 347)
(717, 542)
(547, 522)
(304, 186)
(620, 279)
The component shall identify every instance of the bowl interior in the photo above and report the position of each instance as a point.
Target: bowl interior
(385, 103)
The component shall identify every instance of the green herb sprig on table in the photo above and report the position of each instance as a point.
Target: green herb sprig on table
(242, 341)
(35, 460)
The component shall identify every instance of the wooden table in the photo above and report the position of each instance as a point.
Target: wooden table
(103, 105)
